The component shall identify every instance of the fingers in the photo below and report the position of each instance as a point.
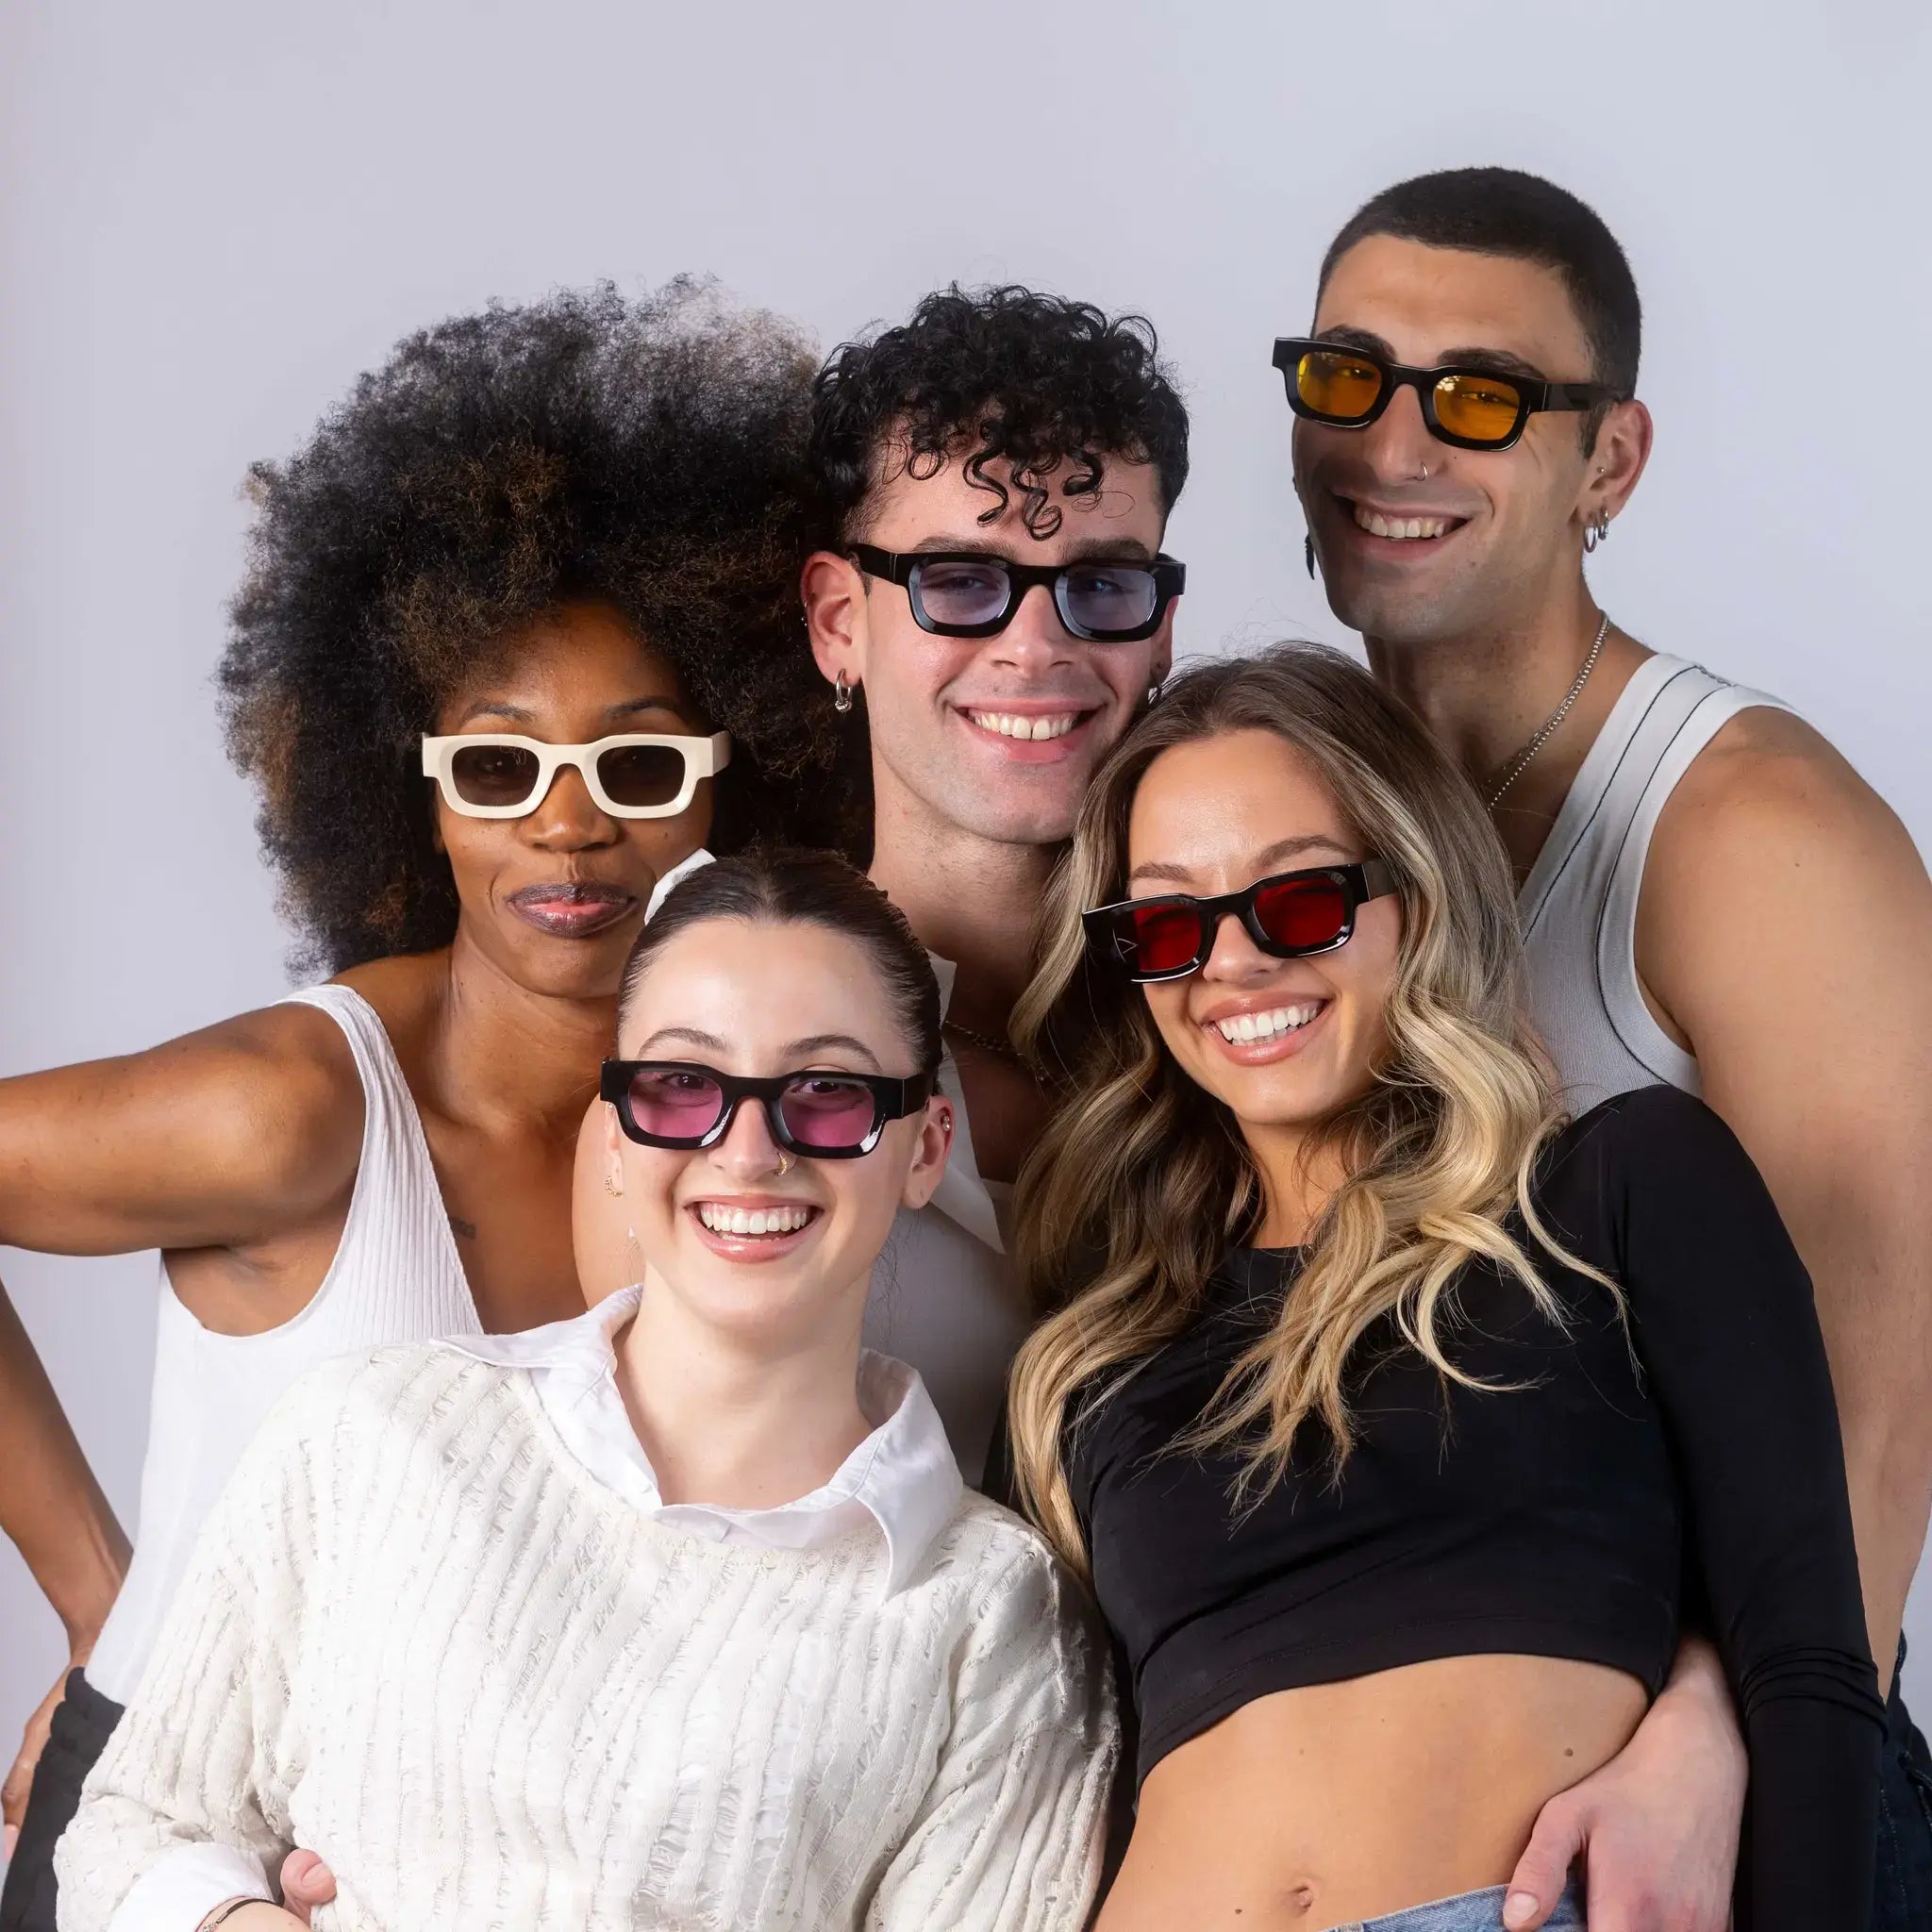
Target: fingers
(19, 1783)
(1543, 1870)
(307, 1882)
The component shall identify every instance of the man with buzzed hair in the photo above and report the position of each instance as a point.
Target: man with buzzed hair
(1710, 895)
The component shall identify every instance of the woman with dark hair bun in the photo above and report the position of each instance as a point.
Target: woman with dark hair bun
(676, 1614)
(519, 635)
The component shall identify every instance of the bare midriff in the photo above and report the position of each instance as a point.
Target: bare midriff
(1318, 1806)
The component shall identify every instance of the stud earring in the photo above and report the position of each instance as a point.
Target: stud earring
(1308, 551)
(841, 693)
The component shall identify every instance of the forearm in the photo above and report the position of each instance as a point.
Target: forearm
(51, 1508)
(1889, 1475)
(1813, 1807)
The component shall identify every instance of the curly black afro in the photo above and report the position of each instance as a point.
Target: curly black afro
(647, 454)
(1033, 382)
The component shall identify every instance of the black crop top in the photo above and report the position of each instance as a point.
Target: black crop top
(1553, 1518)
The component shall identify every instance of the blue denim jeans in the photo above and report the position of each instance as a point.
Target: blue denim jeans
(1902, 1892)
(1470, 1911)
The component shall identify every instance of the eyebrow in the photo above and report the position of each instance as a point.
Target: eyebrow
(691, 1036)
(1283, 848)
(795, 1051)
(829, 1042)
(630, 708)
(1502, 361)
(1081, 550)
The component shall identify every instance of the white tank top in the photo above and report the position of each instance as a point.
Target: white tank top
(396, 1276)
(1579, 905)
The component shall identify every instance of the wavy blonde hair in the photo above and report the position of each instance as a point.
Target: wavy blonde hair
(1143, 1181)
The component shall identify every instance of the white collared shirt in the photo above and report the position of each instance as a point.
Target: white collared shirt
(902, 1478)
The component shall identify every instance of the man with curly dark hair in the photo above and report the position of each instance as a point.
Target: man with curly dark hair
(997, 473)
(519, 635)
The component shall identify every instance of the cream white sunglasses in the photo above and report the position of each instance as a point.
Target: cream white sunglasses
(637, 774)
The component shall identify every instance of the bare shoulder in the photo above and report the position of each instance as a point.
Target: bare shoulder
(1770, 792)
(1771, 850)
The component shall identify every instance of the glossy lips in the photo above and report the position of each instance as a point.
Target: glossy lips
(573, 908)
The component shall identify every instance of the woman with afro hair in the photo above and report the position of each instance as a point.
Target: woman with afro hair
(519, 636)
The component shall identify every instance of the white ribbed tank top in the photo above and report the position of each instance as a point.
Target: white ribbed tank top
(1579, 905)
(396, 1276)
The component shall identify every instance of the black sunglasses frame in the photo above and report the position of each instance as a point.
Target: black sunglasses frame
(1536, 395)
(903, 568)
(1110, 931)
(893, 1099)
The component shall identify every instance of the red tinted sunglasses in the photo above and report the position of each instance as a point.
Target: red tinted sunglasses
(1288, 916)
(830, 1116)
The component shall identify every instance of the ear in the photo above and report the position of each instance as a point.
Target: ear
(1613, 467)
(595, 1216)
(833, 590)
(1161, 663)
(929, 1162)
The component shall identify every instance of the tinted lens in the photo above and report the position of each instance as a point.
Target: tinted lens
(1302, 913)
(1165, 938)
(642, 774)
(675, 1103)
(493, 774)
(1485, 408)
(822, 1110)
(962, 593)
(1109, 597)
(1333, 382)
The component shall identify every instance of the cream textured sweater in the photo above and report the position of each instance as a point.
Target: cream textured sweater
(421, 1639)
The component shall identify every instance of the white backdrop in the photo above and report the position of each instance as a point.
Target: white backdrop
(214, 213)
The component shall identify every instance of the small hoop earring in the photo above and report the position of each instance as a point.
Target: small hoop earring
(1598, 531)
(1425, 472)
(612, 1185)
(786, 1161)
(841, 693)
(1308, 551)
(1153, 693)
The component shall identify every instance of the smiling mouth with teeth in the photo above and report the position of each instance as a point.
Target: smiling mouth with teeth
(768, 1222)
(1007, 724)
(1402, 529)
(1240, 1029)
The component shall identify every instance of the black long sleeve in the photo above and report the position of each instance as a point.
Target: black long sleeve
(1728, 1336)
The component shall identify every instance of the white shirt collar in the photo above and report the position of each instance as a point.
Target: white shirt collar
(902, 1478)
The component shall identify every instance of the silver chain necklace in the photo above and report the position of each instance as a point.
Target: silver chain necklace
(1556, 717)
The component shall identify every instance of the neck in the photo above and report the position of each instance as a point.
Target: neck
(970, 899)
(735, 1423)
(504, 1058)
(1486, 693)
(1299, 1176)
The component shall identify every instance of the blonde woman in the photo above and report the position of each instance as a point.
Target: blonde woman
(1395, 1420)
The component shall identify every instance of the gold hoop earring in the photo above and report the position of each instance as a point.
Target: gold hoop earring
(612, 1185)
(786, 1161)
